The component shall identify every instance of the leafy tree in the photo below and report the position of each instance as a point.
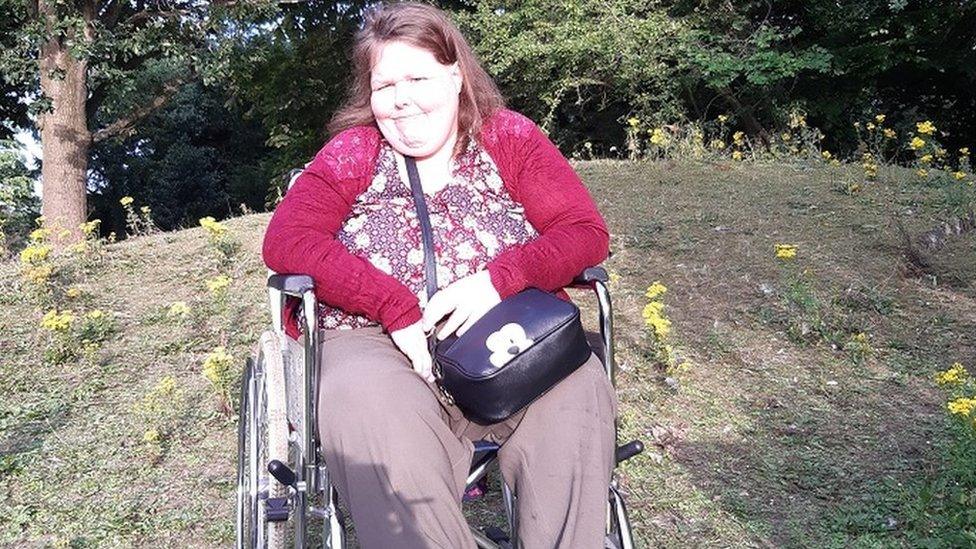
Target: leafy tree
(192, 158)
(909, 59)
(744, 58)
(582, 67)
(83, 57)
(13, 112)
(18, 204)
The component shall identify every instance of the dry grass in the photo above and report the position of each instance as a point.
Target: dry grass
(764, 441)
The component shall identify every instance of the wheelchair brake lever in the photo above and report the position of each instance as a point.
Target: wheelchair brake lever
(283, 473)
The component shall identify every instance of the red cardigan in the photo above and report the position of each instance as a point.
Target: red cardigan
(301, 237)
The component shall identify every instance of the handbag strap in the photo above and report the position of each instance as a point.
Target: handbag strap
(427, 235)
(430, 267)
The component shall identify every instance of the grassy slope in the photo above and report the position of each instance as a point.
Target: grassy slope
(762, 442)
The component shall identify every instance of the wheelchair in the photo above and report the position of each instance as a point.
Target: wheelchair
(284, 493)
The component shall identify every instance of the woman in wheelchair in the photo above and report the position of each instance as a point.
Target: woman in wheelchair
(508, 213)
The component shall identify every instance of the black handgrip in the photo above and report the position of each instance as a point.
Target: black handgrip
(629, 450)
(591, 275)
(282, 472)
(291, 284)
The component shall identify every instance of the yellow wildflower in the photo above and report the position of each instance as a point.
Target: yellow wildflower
(654, 319)
(879, 119)
(961, 406)
(126, 200)
(717, 144)
(736, 155)
(922, 173)
(925, 159)
(151, 436)
(178, 308)
(940, 153)
(633, 121)
(166, 386)
(216, 366)
(785, 251)
(890, 133)
(34, 254)
(214, 228)
(145, 210)
(955, 374)
(658, 137)
(964, 151)
(723, 118)
(738, 137)
(56, 322)
(218, 283)
(870, 125)
(925, 128)
(38, 235)
(959, 175)
(917, 143)
(655, 290)
(72, 292)
(95, 314)
(39, 274)
(90, 227)
(826, 155)
(786, 136)
(797, 120)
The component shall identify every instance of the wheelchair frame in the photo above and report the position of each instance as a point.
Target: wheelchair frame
(259, 498)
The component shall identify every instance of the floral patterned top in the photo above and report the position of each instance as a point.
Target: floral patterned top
(473, 218)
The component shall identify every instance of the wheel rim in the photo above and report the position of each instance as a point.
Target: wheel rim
(262, 436)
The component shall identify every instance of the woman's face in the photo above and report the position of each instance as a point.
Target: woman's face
(414, 99)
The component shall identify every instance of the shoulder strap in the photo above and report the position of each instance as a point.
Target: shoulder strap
(430, 268)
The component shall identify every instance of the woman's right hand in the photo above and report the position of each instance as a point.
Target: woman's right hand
(412, 341)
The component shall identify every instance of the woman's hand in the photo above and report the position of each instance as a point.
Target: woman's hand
(469, 298)
(412, 341)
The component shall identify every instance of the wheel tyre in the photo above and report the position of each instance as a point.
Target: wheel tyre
(262, 436)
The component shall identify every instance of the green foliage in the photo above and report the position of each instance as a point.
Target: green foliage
(196, 157)
(18, 204)
(290, 75)
(570, 65)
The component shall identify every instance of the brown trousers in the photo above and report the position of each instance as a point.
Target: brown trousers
(400, 456)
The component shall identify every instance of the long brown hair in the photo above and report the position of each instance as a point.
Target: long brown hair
(426, 27)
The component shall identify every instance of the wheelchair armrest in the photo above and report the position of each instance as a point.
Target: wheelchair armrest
(291, 284)
(589, 276)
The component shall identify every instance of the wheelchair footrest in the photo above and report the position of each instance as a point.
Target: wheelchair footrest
(498, 536)
(276, 509)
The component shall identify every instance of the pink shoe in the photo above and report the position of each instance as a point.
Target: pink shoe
(476, 491)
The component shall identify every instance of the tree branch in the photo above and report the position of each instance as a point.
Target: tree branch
(145, 15)
(110, 13)
(125, 124)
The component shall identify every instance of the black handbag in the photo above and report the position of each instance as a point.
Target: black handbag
(510, 356)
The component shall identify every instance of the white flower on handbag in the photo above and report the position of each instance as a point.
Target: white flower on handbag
(507, 343)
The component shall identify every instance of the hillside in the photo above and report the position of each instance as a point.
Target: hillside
(775, 431)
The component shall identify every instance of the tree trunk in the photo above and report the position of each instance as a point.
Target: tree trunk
(65, 138)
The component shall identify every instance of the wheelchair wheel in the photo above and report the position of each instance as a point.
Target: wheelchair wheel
(618, 534)
(262, 437)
